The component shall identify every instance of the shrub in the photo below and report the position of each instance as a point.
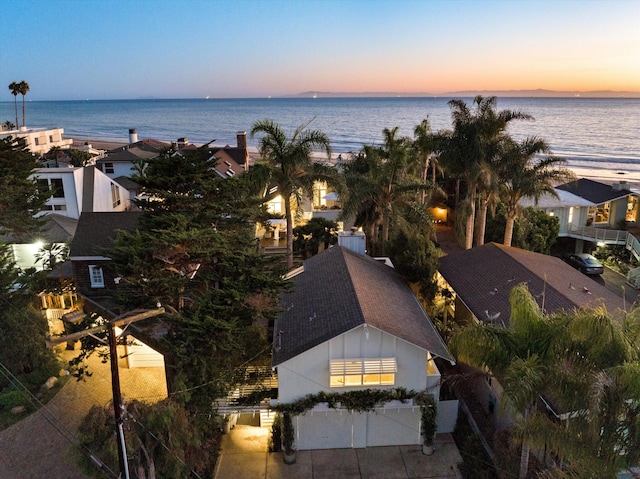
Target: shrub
(12, 399)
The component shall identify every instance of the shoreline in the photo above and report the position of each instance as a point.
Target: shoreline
(603, 175)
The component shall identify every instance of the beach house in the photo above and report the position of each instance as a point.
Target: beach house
(590, 211)
(350, 323)
(73, 191)
(39, 140)
(480, 280)
(121, 161)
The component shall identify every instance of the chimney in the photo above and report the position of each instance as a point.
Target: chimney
(242, 139)
(182, 142)
(620, 186)
(354, 240)
(133, 136)
(242, 145)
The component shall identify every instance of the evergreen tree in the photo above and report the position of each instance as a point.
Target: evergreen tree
(21, 198)
(195, 252)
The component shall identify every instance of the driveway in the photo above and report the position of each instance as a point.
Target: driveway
(39, 446)
(244, 455)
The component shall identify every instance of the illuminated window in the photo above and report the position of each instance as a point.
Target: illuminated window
(362, 372)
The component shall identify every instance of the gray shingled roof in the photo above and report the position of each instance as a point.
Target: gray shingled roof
(97, 231)
(340, 290)
(146, 149)
(594, 191)
(482, 277)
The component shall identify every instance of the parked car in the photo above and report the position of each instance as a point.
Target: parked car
(584, 262)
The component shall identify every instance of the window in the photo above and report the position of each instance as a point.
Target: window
(96, 277)
(36, 141)
(43, 185)
(362, 372)
(115, 195)
(60, 207)
(57, 190)
(108, 167)
(50, 138)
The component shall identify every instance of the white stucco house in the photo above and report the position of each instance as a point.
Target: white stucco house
(80, 189)
(39, 140)
(351, 323)
(74, 190)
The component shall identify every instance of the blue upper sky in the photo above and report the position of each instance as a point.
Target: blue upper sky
(90, 49)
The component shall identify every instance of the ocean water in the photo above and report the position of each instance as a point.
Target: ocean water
(589, 132)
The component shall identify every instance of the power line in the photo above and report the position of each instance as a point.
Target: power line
(66, 433)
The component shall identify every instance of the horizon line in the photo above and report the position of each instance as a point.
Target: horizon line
(315, 94)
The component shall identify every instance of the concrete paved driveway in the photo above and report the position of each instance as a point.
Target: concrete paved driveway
(244, 455)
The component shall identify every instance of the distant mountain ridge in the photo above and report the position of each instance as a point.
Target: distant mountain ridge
(472, 93)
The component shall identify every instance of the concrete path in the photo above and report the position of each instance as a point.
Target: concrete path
(244, 455)
(38, 447)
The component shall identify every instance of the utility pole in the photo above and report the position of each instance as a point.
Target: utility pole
(118, 403)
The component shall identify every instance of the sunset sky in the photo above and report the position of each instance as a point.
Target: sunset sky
(87, 49)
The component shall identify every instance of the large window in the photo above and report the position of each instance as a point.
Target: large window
(57, 190)
(53, 185)
(115, 195)
(362, 372)
(96, 276)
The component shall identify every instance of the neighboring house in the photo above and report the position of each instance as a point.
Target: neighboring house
(94, 235)
(571, 210)
(73, 191)
(585, 203)
(481, 279)
(351, 323)
(613, 204)
(231, 160)
(80, 189)
(121, 161)
(57, 230)
(40, 140)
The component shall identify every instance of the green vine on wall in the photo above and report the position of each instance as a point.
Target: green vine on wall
(363, 400)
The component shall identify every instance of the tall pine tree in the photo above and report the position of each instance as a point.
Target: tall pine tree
(195, 252)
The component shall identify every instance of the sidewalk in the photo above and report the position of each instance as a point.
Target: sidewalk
(244, 455)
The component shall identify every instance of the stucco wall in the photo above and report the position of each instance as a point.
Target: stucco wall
(329, 429)
(308, 373)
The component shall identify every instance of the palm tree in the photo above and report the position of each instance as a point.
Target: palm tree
(590, 366)
(524, 176)
(381, 183)
(23, 89)
(520, 356)
(287, 163)
(596, 382)
(469, 150)
(15, 89)
(425, 145)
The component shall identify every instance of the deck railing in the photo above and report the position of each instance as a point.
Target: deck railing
(606, 236)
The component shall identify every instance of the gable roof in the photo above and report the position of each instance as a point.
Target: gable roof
(340, 290)
(145, 149)
(482, 278)
(59, 229)
(97, 231)
(564, 199)
(593, 191)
